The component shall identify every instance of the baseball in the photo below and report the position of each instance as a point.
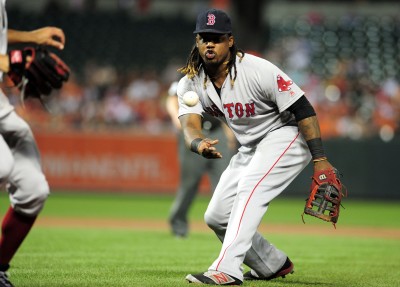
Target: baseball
(190, 98)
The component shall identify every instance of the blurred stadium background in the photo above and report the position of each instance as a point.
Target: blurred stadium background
(108, 130)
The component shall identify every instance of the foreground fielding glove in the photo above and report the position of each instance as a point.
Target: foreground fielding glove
(326, 195)
(36, 71)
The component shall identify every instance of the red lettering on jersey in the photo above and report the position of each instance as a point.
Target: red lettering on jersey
(217, 112)
(283, 86)
(239, 110)
(214, 111)
(250, 110)
(228, 108)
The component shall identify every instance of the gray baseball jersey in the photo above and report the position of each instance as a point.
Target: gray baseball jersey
(272, 154)
(254, 106)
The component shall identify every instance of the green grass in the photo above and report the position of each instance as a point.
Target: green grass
(57, 256)
(281, 210)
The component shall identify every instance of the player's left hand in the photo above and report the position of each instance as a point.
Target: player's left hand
(322, 165)
(49, 36)
(207, 149)
(326, 193)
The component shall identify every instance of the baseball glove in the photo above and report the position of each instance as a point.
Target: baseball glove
(326, 194)
(36, 71)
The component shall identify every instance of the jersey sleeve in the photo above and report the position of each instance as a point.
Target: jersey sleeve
(185, 85)
(282, 90)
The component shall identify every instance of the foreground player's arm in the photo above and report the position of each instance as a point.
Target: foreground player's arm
(326, 189)
(195, 139)
(4, 63)
(49, 36)
(309, 127)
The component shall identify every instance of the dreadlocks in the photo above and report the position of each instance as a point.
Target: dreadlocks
(194, 63)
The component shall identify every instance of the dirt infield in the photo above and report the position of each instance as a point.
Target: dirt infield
(145, 224)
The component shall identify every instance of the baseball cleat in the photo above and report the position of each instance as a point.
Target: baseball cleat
(213, 278)
(286, 269)
(4, 281)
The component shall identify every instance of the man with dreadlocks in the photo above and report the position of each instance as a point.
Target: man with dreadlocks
(278, 132)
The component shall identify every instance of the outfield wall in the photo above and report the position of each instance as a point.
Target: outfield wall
(369, 168)
(132, 163)
(108, 161)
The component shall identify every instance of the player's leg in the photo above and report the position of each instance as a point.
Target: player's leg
(218, 212)
(27, 187)
(192, 168)
(6, 163)
(291, 164)
(278, 159)
(220, 206)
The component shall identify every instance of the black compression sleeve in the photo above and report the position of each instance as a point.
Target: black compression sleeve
(316, 149)
(302, 109)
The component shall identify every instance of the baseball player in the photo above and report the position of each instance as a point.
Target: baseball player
(20, 168)
(192, 166)
(279, 134)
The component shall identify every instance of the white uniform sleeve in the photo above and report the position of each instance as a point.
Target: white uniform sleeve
(185, 85)
(283, 91)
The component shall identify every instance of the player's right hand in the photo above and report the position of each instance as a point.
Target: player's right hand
(49, 36)
(207, 149)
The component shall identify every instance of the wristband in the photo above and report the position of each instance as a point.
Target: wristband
(194, 145)
(320, 159)
(316, 148)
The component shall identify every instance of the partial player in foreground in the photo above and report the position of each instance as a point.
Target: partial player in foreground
(20, 169)
(279, 134)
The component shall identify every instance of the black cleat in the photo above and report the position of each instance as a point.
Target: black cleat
(286, 269)
(213, 278)
(4, 281)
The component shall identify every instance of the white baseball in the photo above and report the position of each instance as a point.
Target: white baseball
(190, 98)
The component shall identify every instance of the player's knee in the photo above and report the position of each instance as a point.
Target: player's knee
(32, 205)
(214, 220)
(42, 192)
